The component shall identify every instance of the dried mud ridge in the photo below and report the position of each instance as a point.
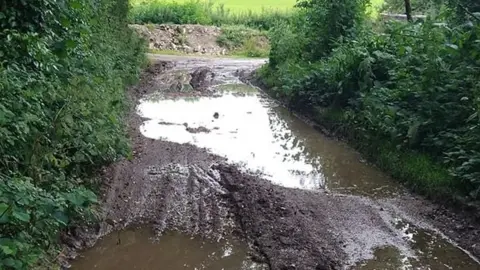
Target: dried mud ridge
(182, 187)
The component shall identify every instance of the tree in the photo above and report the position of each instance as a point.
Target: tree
(408, 10)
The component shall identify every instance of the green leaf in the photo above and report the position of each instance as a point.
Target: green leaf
(75, 199)
(7, 246)
(21, 215)
(3, 213)
(473, 116)
(70, 44)
(453, 46)
(8, 250)
(76, 5)
(61, 217)
(3, 208)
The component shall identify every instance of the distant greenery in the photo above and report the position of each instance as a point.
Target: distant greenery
(206, 13)
(407, 96)
(432, 6)
(239, 5)
(63, 72)
(241, 40)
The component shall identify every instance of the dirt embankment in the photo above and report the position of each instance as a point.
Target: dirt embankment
(201, 39)
(189, 39)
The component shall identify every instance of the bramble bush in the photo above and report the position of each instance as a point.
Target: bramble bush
(409, 95)
(64, 66)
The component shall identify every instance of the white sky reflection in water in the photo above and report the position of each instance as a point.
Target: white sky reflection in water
(247, 132)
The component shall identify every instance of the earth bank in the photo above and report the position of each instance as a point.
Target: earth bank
(204, 40)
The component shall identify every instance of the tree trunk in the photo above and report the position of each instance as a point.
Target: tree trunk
(408, 10)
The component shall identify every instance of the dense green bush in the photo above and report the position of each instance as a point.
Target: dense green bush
(201, 12)
(328, 21)
(63, 70)
(413, 89)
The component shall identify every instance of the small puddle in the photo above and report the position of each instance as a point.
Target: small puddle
(140, 249)
(431, 252)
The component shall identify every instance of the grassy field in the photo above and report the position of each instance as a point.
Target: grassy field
(260, 5)
(243, 5)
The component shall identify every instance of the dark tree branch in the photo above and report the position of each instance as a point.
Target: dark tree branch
(408, 10)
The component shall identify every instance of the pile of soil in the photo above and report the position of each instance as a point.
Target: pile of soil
(187, 38)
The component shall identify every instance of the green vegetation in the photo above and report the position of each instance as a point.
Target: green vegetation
(407, 96)
(201, 12)
(244, 41)
(432, 6)
(237, 6)
(63, 72)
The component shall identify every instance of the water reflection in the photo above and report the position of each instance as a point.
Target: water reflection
(255, 132)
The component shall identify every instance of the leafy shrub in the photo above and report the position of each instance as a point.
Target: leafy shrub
(328, 21)
(244, 41)
(255, 47)
(287, 40)
(63, 71)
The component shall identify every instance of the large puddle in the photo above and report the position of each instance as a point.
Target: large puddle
(247, 127)
(251, 130)
(141, 249)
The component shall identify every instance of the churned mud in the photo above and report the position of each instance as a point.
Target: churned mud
(350, 217)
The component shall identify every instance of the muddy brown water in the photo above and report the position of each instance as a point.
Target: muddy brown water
(141, 249)
(253, 132)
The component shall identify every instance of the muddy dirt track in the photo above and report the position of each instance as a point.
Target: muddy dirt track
(185, 188)
(175, 186)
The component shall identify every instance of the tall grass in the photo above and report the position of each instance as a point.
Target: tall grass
(239, 5)
(204, 12)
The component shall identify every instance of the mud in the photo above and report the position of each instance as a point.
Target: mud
(202, 78)
(199, 129)
(187, 189)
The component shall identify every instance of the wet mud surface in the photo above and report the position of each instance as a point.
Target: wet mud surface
(187, 187)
